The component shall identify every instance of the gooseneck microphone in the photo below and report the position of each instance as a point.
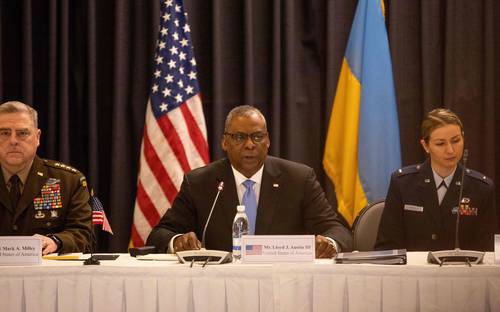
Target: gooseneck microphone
(220, 188)
(460, 198)
(457, 255)
(204, 255)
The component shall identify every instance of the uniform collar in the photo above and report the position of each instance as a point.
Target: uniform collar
(22, 174)
(447, 180)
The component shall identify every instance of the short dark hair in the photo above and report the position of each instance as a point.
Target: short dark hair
(242, 111)
(19, 107)
(437, 118)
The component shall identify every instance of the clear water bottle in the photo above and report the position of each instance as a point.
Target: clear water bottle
(240, 228)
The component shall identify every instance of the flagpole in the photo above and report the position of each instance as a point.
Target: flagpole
(92, 260)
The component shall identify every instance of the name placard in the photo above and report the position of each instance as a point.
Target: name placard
(497, 249)
(20, 250)
(277, 248)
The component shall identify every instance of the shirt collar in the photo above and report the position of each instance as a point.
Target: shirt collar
(22, 174)
(240, 178)
(447, 179)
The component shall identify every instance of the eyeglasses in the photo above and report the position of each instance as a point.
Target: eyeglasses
(240, 137)
(21, 135)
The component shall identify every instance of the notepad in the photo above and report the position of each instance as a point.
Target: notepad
(67, 256)
(158, 257)
(395, 256)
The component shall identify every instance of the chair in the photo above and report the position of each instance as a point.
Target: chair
(365, 228)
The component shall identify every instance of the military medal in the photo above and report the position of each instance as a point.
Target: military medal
(466, 209)
(49, 200)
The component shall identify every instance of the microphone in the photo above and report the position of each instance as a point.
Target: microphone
(457, 255)
(460, 199)
(205, 255)
(220, 188)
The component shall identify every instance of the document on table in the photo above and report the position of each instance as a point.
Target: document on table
(159, 257)
(395, 256)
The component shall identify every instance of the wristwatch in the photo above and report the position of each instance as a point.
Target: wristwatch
(56, 240)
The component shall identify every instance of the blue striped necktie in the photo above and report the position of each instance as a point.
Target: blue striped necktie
(250, 201)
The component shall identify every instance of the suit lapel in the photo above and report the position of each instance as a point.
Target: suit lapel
(268, 198)
(4, 193)
(36, 179)
(229, 196)
(428, 190)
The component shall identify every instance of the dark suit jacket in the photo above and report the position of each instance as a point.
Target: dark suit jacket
(434, 227)
(291, 202)
(71, 223)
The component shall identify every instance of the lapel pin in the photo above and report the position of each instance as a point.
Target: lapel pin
(276, 185)
(427, 180)
(39, 173)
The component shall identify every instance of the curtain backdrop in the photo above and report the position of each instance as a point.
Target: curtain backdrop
(85, 65)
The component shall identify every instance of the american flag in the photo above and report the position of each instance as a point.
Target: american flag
(253, 250)
(98, 214)
(175, 135)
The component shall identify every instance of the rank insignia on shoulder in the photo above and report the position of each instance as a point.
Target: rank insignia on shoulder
(408, 170)
(478, 176)
(60, 166)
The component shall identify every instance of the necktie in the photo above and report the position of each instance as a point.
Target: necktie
(250, 201)
(441, 191)
(15, 191)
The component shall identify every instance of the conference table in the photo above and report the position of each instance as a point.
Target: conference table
(129, 284)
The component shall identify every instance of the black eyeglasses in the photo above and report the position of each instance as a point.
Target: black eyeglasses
(240, 137)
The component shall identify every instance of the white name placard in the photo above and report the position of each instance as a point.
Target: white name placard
(277, 248)
(497, 249)
(20, 250)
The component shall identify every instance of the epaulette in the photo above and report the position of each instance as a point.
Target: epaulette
(59, 165)
(407, 170)
(478, 176)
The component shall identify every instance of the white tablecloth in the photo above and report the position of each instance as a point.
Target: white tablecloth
(127, 284)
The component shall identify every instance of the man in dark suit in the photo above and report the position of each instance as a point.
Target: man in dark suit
(37, 196)
(290, 199)
(420, 207)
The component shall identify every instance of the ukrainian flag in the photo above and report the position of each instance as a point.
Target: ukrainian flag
(362, 145)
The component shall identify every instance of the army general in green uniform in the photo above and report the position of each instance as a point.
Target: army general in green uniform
(37, 196)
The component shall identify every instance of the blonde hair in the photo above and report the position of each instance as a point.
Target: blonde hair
(438, 118)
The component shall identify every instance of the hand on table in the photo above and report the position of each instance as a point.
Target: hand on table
(187, 241)
(324, 247)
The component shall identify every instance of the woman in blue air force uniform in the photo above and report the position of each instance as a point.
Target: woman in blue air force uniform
(421, 202)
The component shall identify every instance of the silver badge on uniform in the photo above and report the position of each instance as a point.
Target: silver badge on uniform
(39, 215)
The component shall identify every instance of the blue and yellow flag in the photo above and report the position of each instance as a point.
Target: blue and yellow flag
(362, 145)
